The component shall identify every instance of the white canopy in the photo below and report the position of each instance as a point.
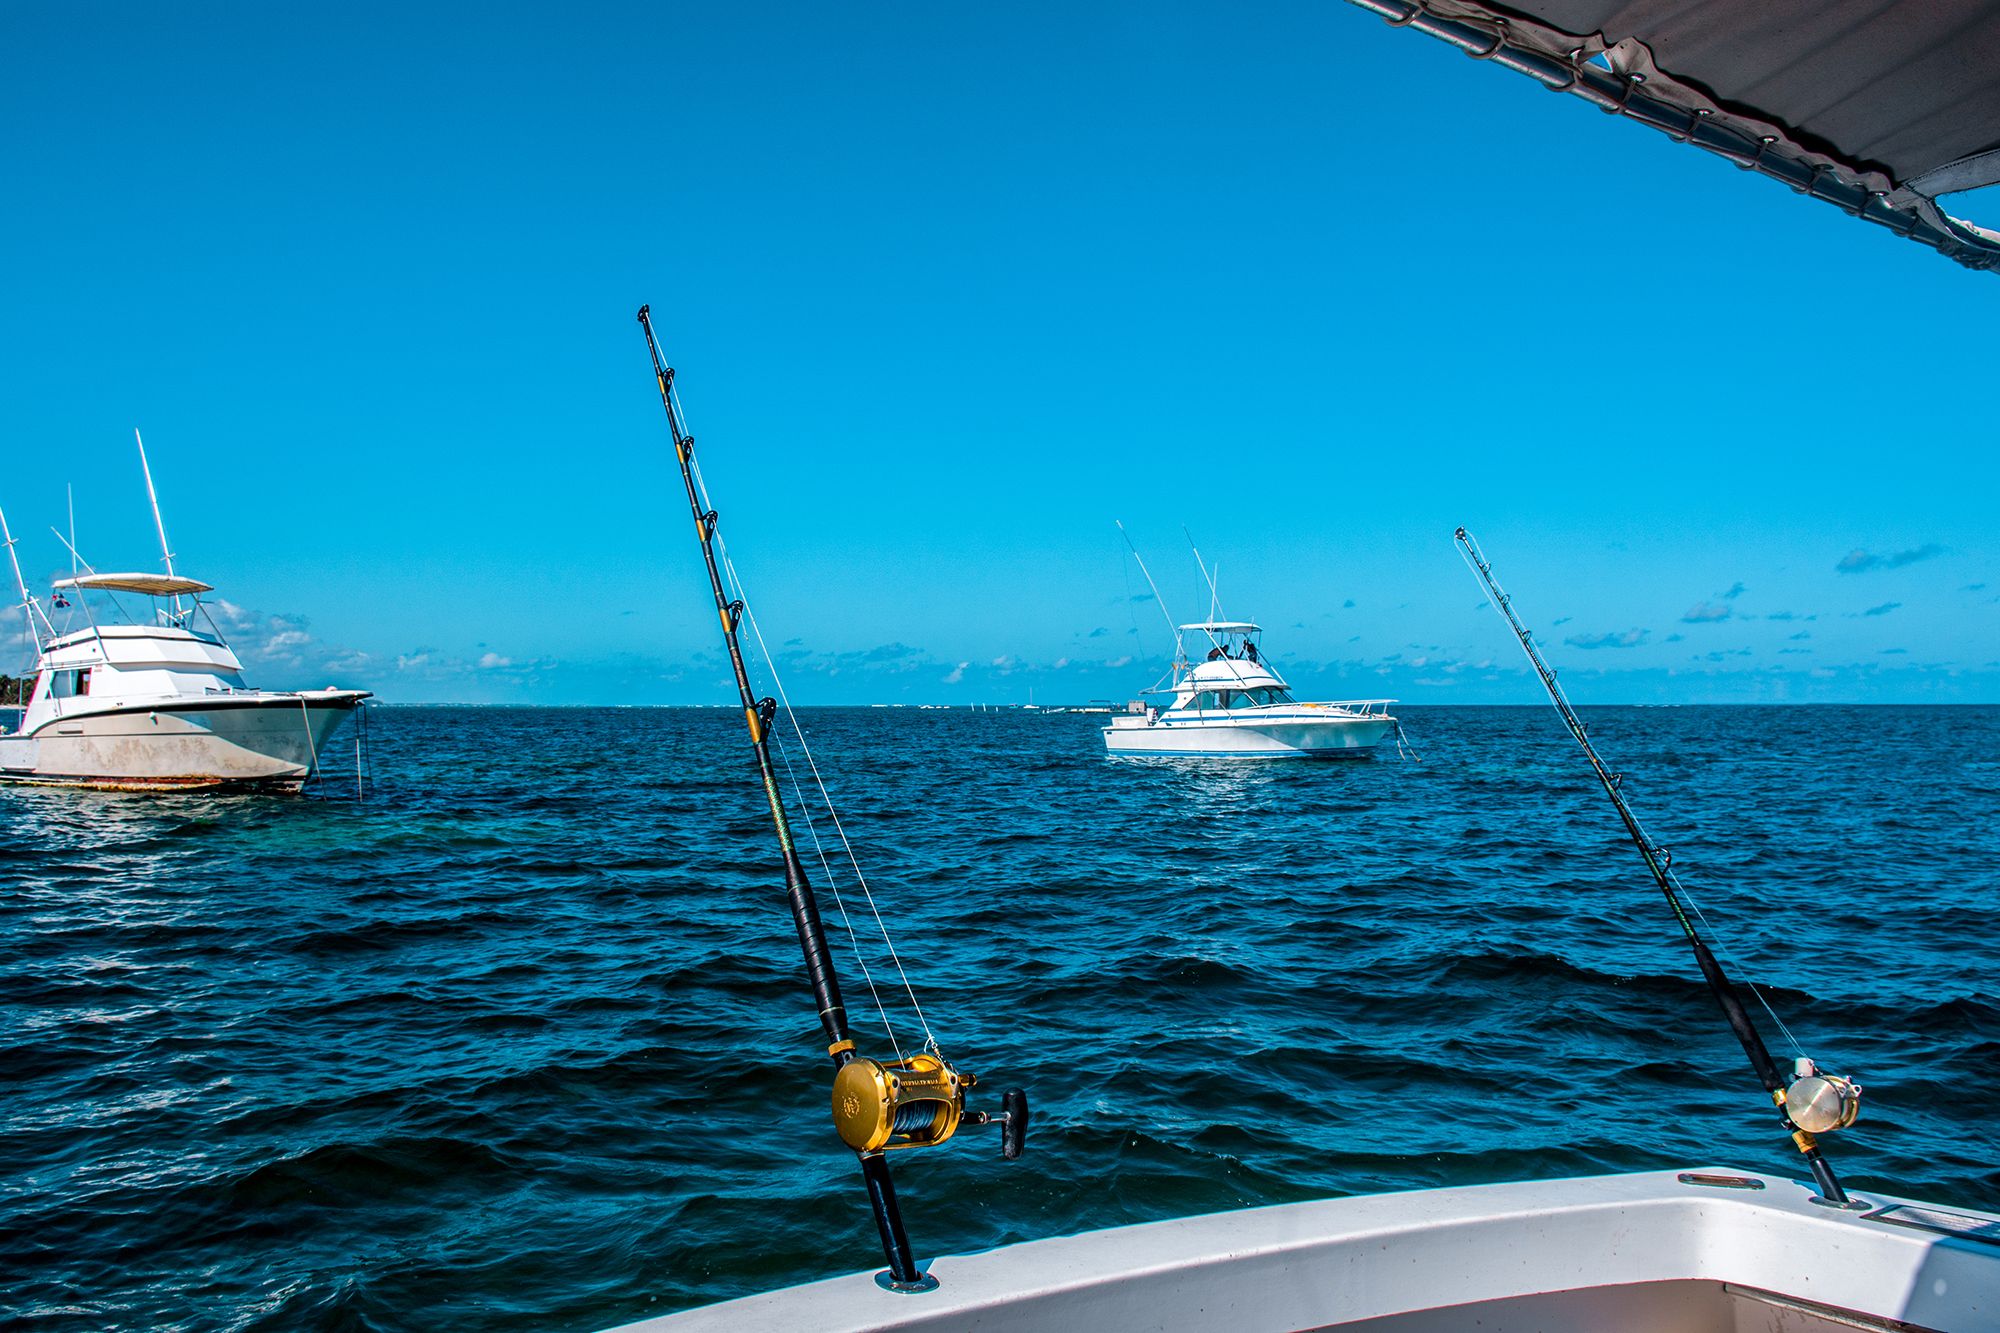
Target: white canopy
(152, 585)
(1224, 627)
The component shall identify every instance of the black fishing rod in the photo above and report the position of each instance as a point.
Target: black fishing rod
(1811, 1103)
(878, 1105)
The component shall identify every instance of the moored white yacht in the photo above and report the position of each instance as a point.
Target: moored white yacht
(1234, 703)
(130, 703)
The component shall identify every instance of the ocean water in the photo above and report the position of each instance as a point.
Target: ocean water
(523, 1040)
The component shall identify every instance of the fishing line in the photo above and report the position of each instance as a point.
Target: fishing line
(826, 799)
(784, 754)
(833, 882)
(791, 772)
(812, 764)
(1574, 723)
(1811, 1102)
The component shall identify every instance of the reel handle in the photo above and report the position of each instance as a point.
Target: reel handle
(1013, 1122)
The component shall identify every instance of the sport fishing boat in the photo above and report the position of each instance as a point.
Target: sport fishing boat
(152, 702)
(1234, 704)
(1681, 1251)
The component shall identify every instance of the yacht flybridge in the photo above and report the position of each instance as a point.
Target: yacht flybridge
(149, 702)
(1234, 703)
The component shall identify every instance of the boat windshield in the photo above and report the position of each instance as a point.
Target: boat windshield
(1205, 700)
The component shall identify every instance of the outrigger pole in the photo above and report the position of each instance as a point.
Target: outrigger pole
(159, 526)
(1813, 1103)
(877, 1105)
(28, 607)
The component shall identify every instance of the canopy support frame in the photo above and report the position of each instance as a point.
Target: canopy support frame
(1904, 211)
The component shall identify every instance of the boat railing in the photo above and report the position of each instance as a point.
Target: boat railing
(1355, 707)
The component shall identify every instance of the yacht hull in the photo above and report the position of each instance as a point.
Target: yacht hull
(268, 742)
(1308, 738)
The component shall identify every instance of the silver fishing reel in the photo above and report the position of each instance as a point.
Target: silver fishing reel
(1820, 1103)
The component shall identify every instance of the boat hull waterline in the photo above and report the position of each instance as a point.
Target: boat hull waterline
(1278, 738)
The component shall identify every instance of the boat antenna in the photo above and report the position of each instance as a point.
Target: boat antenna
(1173, 626)
(1812, 1103)
(166, 553)
(878, 1105)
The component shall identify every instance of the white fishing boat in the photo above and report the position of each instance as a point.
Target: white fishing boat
(1233, 703)
(154, 702)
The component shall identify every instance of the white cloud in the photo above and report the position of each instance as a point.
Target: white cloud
(494, 662)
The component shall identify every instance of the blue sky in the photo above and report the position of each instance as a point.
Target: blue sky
(949, 293)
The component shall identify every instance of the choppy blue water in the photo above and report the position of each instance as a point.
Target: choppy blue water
(523, 1041)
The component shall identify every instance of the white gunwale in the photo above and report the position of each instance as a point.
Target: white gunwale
(1561, 1254)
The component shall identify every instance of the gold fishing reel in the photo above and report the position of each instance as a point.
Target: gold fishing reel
(915, 1102)
(1821, 1103)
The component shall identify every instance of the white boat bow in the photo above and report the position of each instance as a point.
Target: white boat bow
(1655, 1252)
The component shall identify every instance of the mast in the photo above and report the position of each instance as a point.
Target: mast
(1822, 1102)
(878, 1105)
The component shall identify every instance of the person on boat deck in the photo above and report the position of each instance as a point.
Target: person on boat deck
(1220, 650)
(1249, 651)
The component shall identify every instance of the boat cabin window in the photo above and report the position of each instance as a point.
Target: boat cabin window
(1224, 699)
(68, 683)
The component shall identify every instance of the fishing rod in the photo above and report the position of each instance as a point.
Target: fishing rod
(916, 1101)
(1810, 1103)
